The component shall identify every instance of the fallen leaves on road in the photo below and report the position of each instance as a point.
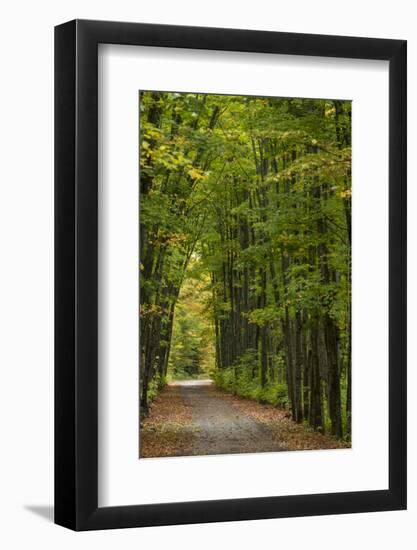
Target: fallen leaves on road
(168, 430)
(292, 436)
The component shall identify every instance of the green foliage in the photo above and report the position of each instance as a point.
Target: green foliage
(245, 257)
(155, 386)
(239, 380)
(192, 348)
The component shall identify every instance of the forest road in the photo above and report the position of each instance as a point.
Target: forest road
(194, 417)
(222, 428)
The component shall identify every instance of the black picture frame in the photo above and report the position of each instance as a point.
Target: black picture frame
(76, 272)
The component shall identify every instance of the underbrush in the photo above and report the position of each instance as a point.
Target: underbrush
(155, 386)
(239, 381)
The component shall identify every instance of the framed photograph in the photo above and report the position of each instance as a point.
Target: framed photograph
(230, 285)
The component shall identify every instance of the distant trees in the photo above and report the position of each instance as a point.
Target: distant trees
(258, 192)
(192, 343)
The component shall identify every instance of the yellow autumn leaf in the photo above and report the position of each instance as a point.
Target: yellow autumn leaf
(196, 174)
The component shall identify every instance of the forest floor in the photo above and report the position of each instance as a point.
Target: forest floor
(197, 418)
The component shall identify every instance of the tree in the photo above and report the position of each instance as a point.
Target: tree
(253, 194)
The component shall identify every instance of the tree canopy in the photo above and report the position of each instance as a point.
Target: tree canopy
(246, 203)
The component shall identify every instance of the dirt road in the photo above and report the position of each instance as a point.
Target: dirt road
(197, 418)
(221, 427)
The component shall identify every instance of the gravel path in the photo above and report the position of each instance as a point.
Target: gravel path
(196, 418)
(221, 428)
